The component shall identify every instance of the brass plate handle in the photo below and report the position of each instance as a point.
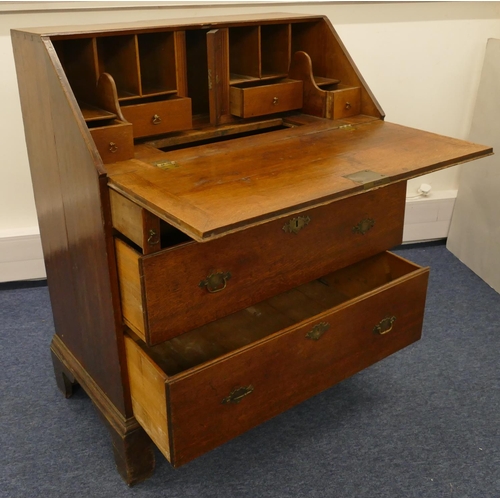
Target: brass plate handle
(153, 239)
(275, 101)
(237, 395)
(216, 282)
(363, 226)
(296, 224)
(385, 326)
(318, 331)
(156, 120)
(113, 148)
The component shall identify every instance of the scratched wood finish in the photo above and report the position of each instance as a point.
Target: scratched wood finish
(218, 75)
(262, 262)
(154, 118)
(135, 223)
(230, 196)
(277, 313)
(114, 142)
(287, 367)
(331, 59)
(248, 102)
(71, 196)
(296, 168)
(148, 400)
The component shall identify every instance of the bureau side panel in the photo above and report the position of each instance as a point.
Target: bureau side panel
(74, 217)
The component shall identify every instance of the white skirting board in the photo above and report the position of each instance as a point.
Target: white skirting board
(428, 218)
(21, 255)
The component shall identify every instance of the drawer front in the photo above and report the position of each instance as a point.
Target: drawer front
(159, 117)
(114, 142)
(346, 102)
(191, 285)
(215, 403)
(266, 99)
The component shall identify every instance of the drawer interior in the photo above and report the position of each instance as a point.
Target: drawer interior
(301, 304)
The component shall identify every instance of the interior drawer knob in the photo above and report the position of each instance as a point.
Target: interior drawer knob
(113, 148)
(348, 105)
(153, 238)
(318, 331)
(275, 101)
(156, 119)
(385, 326)
(238, 394)
(216, 282)
(363, 226)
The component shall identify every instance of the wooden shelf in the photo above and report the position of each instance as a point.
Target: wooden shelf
(325, 82)
(92, 113)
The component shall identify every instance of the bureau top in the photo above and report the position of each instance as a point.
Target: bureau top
(209, 22)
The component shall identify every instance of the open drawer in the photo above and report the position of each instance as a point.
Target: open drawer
(183, 287)
(211, 384)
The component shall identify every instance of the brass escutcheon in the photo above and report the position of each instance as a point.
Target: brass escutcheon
(237, 395)
(318, 331)
(156, 119)
(296, 224)
(364, 226)
(113, 147)
(216, 282)
(385, 326)
(153, 239)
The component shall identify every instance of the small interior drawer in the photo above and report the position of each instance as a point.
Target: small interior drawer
(180, 288)
(346, 102)
(159, 117)
(197, 391)
(250, 99)
(114, 141)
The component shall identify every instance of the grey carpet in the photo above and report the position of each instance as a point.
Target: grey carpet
(422, 423)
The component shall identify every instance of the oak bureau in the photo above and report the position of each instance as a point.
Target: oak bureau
(216, 198)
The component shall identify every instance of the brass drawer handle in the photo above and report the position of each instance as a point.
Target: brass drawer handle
(113, 148)
(364, 226)
(237, 395)
(296, 224)
(385, 326)
(153, 239)
(216, 282)
(275, 101)
(156, 120)
(318, 331)
(348, 105)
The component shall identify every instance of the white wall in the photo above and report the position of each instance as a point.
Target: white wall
(421, 60)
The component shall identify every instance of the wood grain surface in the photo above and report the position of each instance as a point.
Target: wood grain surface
(263, 261)
(218, 188)
(290, 368)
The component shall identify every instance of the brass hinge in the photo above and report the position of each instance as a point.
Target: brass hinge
(165, 164)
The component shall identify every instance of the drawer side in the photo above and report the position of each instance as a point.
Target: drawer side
(129, 277)
(148, 393)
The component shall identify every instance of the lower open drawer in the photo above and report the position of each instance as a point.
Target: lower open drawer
(196, 391)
